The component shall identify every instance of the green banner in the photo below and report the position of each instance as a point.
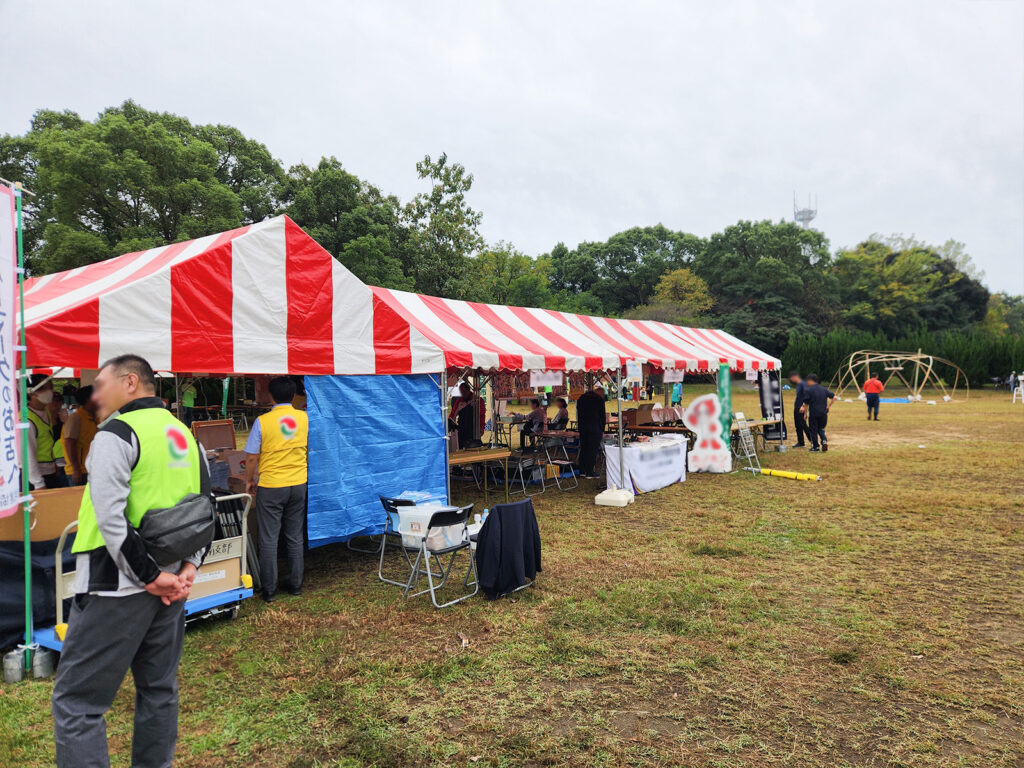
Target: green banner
(725, 398)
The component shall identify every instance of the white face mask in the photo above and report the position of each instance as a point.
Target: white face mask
(45, 397)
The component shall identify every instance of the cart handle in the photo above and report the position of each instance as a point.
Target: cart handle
(59, 569)
(245, 524)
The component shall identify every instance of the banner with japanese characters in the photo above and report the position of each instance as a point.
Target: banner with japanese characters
(10, 486)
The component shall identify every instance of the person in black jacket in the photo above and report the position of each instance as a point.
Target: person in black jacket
(817, 403)
(590, 416)
(799, 397)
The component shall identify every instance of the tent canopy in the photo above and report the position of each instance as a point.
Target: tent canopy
(267, 299)
(260, 299)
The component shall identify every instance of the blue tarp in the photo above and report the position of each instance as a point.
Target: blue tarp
(370, 436)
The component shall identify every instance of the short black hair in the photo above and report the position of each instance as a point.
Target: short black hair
(792, 374)
(83, 394)
(282, 389)
(37, 379)
(812, 377)
(536, 402)
(134, 364)
(563, 401)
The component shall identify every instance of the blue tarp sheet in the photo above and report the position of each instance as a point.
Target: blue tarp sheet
(370, 436)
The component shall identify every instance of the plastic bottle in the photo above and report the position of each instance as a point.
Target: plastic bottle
(486, 513)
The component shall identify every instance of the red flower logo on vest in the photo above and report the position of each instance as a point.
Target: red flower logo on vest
(288, 427)
(177, 443)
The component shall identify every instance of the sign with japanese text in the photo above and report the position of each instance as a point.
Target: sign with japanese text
(10, 485)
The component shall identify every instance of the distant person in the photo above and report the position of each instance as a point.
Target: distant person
(43, 435)
(799, 397)
(468, 416)
(78, 434)
(677, 394)
(188, 404)
(873, 387)
(561, 420)
(590, 417)
(817, 403)
(650, 389)
(536, 421)
(276, 472)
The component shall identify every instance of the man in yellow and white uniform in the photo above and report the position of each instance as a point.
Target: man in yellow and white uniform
(275, 471)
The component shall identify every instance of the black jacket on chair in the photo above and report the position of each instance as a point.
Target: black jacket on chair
(508, 549)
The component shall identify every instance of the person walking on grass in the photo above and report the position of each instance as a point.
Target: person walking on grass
(127, 612)
(817, 403)
(276, 471)
(873, 387)
(799, 397)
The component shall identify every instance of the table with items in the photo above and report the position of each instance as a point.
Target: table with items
(648, 464)
(483, 456)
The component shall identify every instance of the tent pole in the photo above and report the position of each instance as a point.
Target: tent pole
(444, 432)
(26, 507)
(618, 399)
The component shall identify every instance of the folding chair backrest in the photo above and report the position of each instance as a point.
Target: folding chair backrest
(450, 517)
(390, 505)
(513, 507)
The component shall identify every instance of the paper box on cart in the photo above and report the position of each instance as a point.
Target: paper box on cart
(218, 576)
(236, 483)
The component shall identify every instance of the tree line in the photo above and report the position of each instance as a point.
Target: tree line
(133, 179)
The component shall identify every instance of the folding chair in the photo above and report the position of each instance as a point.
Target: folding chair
(522, 469)
(561, 462)
(443, 519)
(391, 532)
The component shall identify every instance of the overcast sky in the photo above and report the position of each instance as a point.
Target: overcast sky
(582, 119)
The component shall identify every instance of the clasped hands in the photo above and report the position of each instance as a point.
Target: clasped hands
(172, 587)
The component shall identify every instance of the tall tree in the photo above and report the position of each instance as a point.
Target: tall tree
(445, 229)
(767, 280)
(134, 179)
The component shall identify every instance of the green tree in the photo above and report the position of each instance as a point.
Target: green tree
(133, 179)
(897, 292)
(768, 280)
(444, 228)
(351, 219)
(680, 298)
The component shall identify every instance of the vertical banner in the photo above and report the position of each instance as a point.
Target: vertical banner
(725, 398)
(770, 389)
(10, 488)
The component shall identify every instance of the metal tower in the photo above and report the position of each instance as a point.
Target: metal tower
(803, 216)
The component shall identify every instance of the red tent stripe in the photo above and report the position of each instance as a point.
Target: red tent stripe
(441, 309)
(310, 303)
(454, 357)
(201, 327)
(548, 331)
(390, 339)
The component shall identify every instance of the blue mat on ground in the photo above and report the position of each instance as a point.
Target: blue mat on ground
(893, 400)
(370, 436)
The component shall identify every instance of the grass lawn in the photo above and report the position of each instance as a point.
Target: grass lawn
(874, 618)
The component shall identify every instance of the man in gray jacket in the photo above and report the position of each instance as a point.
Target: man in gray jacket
(128, 612)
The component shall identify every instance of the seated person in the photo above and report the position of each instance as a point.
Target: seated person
(536, 421)
(561, 420)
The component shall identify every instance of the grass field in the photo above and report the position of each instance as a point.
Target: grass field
(874, 618)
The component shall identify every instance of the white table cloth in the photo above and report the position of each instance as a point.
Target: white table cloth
(648, 465)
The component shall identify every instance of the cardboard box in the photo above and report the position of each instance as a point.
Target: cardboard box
(55, 508)
(217, 576)
(236, 483)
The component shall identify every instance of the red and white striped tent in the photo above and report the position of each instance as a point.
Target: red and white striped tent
(260, 299)
(267, 299)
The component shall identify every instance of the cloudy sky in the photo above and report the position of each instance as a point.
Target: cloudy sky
(581, 119)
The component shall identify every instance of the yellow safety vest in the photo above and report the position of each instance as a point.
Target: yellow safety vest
(45, 444)
(284, 436)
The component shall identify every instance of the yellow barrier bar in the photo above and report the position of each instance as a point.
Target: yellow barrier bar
(789, 475)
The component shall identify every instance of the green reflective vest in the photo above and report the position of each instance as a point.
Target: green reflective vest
(45, 444)
(166, 472)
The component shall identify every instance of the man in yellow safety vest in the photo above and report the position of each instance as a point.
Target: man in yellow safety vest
(128, 612)
(276, 453)
(44, 446)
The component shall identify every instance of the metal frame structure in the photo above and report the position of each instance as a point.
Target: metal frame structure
(923, 373)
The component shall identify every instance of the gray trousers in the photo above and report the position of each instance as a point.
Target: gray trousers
(107, 636)
(277, 508)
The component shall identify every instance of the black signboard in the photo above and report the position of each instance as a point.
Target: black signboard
(770, 389)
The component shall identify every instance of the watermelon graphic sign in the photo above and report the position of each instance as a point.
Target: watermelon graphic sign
(288, 427)
(177, 444)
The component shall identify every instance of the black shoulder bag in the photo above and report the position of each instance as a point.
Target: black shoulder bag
(174, 533)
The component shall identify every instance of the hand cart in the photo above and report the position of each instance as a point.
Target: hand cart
(222, 551)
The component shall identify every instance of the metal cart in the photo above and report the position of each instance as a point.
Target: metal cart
(226, 601)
